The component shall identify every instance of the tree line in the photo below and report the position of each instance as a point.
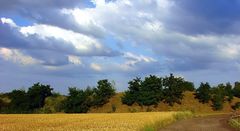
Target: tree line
(41, 99)
(149, 91)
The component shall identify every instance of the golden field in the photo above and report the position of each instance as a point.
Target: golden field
(92, 122)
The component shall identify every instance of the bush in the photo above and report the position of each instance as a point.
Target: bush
(155, 89)
(236, 89)
(218, 100)
(37, 94)
(173, 91)
(104, 91)
(236, 106)
(203, 93)
(114, 108)
(54, 104)
(78, 101)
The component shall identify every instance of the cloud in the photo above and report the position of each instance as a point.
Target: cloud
(17, 57)
(96, 67)
(121, 38)
(204, 17)
(82, 44)
(74, 60)
(48, 42)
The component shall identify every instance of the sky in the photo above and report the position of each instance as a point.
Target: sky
(68, 43)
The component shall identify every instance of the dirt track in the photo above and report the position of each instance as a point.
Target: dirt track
(209, 123)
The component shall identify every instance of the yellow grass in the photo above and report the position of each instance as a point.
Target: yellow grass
(72, 122)
(188, 103)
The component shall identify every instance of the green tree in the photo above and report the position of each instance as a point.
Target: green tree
(37, 94)
(236, 89)
(54, 104)
(78, 101)
(151, 91)
(218, 97)
(104, 91)
(203, 93)
(131, 95)
(229, 92)
(172, 89)
(188, 86)
(19, 102)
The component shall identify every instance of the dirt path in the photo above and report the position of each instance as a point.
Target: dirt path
(209, 123)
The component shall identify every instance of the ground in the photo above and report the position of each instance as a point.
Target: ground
(207, 123)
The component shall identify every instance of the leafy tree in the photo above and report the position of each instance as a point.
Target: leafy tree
(19, 102)
(37, 94)
(4, 103)
(54, 104)
(78, 101)
(188, 86)
(236, 106)
(228, 92)
(172, 89)
(155, 89)
(203, 93)
(131, 95)
(151, 92)
(236, 89)
(104, 91)
(218, 97)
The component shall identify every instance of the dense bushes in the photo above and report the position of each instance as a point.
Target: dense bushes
(155, 89)
(203, 93)
(150, 91)
(80, 101)
(103, 92)
(28, 102)
(218, 95)
(40, 99)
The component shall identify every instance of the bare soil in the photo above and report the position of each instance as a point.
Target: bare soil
(207, 123)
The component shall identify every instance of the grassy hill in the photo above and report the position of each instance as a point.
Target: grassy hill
(188, 103)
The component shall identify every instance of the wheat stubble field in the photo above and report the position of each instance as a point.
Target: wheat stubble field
(93, 122)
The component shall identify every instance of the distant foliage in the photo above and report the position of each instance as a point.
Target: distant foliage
(37, 94)
(188, 86)
(149, 91)
(173, 89)
(154, 89)
(236, 89)
(28, 101)
(203, 93)
(131, 95)
(20, 102)
(236, 106)
(54, 104)
(80, 101)
(218, 95)
(103, 92)
(229, 92)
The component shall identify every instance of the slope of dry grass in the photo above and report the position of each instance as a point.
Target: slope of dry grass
(188, 103)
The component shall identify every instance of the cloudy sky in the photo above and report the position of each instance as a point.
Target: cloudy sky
(77, 42)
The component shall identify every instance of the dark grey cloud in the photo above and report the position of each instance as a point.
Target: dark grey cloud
(12, 5)
(204, 17)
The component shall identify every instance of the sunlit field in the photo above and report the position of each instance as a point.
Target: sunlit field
(72, 122)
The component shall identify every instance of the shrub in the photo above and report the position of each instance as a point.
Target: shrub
(203, 93)
(114, 108)
(236, 106)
